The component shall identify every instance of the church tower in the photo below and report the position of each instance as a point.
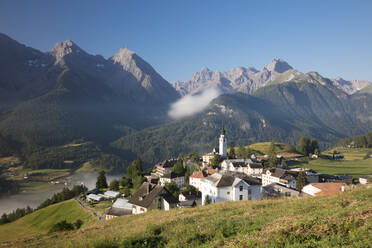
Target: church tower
(223, 144)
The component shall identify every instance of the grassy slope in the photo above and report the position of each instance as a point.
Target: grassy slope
(42, 220)
(280, 147)
(331, 221)
(262, 148)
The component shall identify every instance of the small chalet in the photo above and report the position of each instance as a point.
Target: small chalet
(316, 189)
(111, 194)
(150, 196)
(94, 197)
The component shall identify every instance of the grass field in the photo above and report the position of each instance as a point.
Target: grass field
(329, 221)
(354, 168)
(41, 221)
(262, 148)
(349, 153)
(353, 163)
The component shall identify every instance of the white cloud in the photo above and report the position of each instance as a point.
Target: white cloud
(192, 104)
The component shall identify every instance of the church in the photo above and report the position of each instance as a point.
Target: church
(222, 151)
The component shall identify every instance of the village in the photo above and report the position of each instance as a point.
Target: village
(234, 179)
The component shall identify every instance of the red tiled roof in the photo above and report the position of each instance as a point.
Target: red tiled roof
(328, 188)
(197, 174)
(211, 171)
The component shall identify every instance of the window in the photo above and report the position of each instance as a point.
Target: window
(288, 194)
(249, 191)
(228, 193)
(240, 188)
(240, 197)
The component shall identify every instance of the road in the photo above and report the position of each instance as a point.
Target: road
(83, 205)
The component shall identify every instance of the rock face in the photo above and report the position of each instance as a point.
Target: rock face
(248, 80)
(352, 86)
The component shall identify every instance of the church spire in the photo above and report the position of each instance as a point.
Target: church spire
(223, 129)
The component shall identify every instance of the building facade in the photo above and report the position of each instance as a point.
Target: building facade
(229, 187)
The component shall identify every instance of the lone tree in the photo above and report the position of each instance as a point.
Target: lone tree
(273, 160)
(215, 161)
(101, 180)
(231, 153)
(301, 180)
(178, 168)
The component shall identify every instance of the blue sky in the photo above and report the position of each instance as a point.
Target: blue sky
(178, 38)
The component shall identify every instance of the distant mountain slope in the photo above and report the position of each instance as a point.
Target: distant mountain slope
(278, 112)
(52, 98)
(248, 80)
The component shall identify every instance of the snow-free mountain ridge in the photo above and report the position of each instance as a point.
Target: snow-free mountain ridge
(248, 80)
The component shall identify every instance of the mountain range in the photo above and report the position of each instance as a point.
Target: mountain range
(51, 99)
(248, 80)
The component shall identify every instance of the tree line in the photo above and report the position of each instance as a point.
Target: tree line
(363, 141)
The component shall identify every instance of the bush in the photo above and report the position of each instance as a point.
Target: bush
(62, 226)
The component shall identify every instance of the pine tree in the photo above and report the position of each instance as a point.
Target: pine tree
(135, 169)
(215, 162)
(178, 168)
(101, 180)
(273, 160)
(301, 180)
(232, 154)
(304, 146)
(314, 146)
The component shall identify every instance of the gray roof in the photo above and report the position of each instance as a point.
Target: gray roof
(227, 179)
(122, 203)
(148, 192)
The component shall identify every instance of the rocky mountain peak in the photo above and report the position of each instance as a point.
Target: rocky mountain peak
(278, 65)
(62, 49)
(123, 55)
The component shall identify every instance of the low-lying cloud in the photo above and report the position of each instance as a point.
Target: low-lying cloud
(192, 104)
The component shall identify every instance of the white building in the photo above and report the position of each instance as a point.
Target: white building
(280, 176)
(94, 198)
(173, 177)
(223, 144)
(111, 194)
(196, 178)
(245, 166)
(221, 187)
